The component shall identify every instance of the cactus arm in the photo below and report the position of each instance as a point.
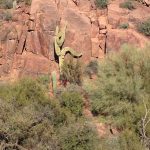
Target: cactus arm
(63, 53)
(71, 51)
(61, 36)
(57, 48)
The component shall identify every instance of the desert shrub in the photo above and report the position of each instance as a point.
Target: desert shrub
(123, 84)
(127, 140)
(44, 80)
(68, 88)
(7, 16)
(73, 102)
(27, 2)
(144, 27)
(91, 68)
(24, 92)
(124, 26)
(102, 3)
(41, 123)
(78, 137)
(6, 4)
(127, 4)
(72, 72)
(32, 126)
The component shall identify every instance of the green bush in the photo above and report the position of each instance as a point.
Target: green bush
(91, 68)
(123, 84)
(41, 123)
(24, 92)
(102, 3)
(72, 72)
(78, 137)
(44, 80)
(127, 4)
(27, 2)
(6, 4)
(144, 27)
(127, 140)
(7, 16)
(73, 102)
(124, 26)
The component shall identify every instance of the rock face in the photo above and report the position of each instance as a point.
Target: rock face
(117, 16)
(28, 47)
(27, 42)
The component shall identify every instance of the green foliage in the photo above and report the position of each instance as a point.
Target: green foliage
(78, 137)
(144, 27)
(124, 26)
(91, 68)
(30, 120)
(127, 4)
(123, 84)
(72, 72)
(44, 80)
(102, 3)
(23, 92)
(6, 4)
(73, 102)
(54, 81)
(27, 2)
(127, 140)
(7, 16)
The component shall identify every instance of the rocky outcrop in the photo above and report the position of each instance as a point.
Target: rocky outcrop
(32, 34)
(27, 42)
(117, 16)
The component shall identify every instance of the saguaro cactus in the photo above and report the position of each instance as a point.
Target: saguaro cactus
(61, 52)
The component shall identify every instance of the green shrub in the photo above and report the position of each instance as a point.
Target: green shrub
(102, 3)
(78, 137)
(44, 80)
(123, 84)
(127, 4)
(24, 92)
(124, 26)
(27, 2)
(32, 126)
(127, 140)
(73, 102)
(7, 16)
(6, 4)
(72, 72)
(144, 27)
(91, 68)
(40, 123)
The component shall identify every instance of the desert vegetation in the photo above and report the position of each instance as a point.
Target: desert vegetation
(144, 27)
(102, 3)
(121, 95)
(31, 119)
(127, 5)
